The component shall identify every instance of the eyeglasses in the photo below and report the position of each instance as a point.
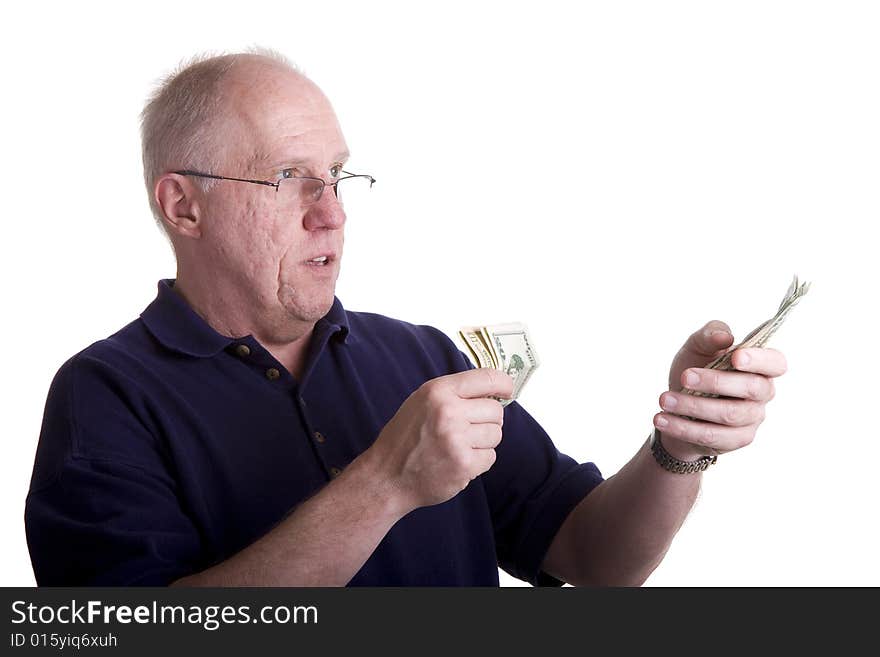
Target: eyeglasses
(304, 190)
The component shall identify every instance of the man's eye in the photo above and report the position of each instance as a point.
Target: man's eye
(288, 173)
(336, 170)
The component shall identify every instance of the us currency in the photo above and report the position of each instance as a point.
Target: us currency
(759, 336)
(504, 347)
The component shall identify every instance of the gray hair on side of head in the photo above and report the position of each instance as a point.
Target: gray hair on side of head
(179, 123)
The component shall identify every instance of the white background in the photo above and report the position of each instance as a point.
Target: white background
(614, 174)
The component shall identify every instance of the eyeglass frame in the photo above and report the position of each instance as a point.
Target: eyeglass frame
(277, 185)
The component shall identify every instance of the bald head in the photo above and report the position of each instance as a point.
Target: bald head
(264, 106)
(208, 106)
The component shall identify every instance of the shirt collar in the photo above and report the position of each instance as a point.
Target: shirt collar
(179, 328)
(337, 320)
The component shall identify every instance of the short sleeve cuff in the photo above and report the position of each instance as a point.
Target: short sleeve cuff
(573, 487)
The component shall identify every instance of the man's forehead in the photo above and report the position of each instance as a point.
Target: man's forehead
(303, 149)
(285, 116)
(315, 146)
(260, 94)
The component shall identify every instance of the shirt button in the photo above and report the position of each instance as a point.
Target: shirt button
(335, 472)
(272, 374)
(319, 437)
(243, 350)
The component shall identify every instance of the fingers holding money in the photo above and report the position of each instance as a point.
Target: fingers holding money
(722, 402)
(725, 383)
(766, 361)
(726, 420)
(484, 410)
(704, 437)
(442, 437)
(730, 412)
(481, 382)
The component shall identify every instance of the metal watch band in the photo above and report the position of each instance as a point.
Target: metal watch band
(669, 462)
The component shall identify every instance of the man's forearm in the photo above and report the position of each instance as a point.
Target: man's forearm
(324, 542)
(620, 532)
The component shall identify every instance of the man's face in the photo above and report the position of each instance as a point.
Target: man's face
(282, 127)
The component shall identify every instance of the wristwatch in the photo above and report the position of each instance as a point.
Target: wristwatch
(669, 462)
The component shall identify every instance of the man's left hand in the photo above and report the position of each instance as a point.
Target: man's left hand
(720, 424)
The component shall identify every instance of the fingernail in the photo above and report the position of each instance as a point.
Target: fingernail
(744, 358)
(661, 421)
(691, 378)
(669, 402)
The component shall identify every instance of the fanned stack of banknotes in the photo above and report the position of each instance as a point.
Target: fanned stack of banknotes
(504, 347)
(507, 347)
(760, 336)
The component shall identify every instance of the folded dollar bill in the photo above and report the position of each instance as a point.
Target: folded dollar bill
(504, 347)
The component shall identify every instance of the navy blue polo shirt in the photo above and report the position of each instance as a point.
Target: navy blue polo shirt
(167, 447)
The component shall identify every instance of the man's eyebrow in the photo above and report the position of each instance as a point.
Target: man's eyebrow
(279, 159)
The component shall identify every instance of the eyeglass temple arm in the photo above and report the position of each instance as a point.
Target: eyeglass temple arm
(199, 174)
(360, 175)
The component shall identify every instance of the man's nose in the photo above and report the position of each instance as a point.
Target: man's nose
(326, 213)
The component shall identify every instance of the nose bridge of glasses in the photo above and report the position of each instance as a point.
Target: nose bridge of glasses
(322, 184)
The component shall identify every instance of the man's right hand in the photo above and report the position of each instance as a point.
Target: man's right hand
(443, 436)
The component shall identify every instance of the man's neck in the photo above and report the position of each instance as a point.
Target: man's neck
(220, 313)
(290, 354)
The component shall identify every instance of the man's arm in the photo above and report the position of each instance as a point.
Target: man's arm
(619, 533)
(324, 542)
(621, 530)
(440, 439)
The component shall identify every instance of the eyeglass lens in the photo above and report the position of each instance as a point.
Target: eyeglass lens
(306, 191)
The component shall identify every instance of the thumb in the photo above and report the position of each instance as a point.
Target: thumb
(709, 340)
(701, 347)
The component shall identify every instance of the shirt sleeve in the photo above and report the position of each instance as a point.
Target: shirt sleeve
(531, 488)
(103, 509)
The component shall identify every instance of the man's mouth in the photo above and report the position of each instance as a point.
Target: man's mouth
(320, 261)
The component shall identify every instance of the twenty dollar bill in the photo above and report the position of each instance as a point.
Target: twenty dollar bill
(504, 347)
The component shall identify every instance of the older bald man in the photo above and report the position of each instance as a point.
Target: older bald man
(246, 429)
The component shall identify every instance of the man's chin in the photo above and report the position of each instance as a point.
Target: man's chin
(306, 308)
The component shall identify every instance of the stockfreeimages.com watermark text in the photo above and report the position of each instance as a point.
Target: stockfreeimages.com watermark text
(210, 617)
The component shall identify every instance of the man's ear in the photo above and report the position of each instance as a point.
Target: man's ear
(180, 201)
